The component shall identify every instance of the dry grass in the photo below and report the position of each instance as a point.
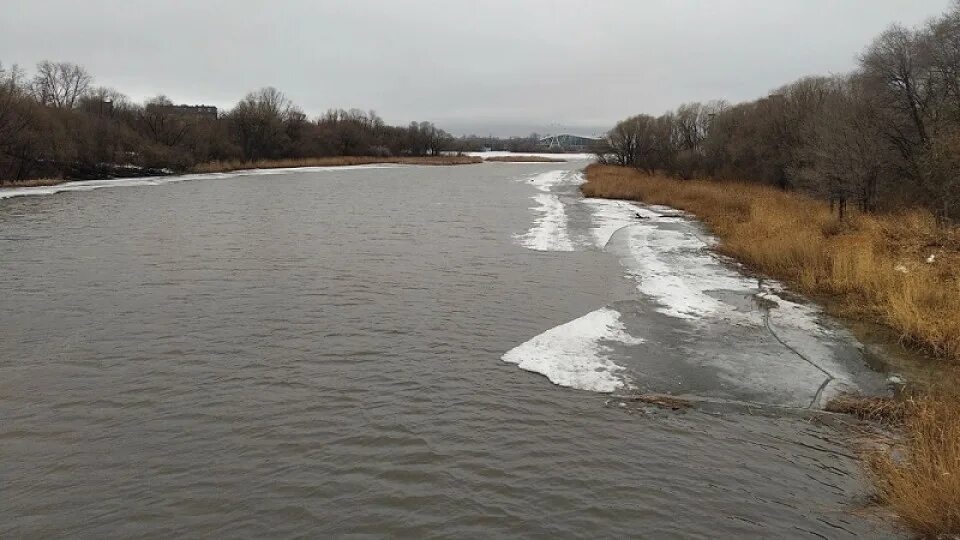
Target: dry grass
(525, 159)
(923, 485)
(339, 161)
(869, 267)
(35, 182)
(873, 408)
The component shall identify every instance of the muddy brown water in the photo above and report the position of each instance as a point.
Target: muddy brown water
(318, 353)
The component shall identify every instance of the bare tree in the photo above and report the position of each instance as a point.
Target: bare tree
(940, 168)
(843, 154)
(632, 139)
(258, 122)
(13, 120)
(161, 126)
(60, 84)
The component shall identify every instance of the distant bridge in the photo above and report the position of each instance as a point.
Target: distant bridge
(565, 142)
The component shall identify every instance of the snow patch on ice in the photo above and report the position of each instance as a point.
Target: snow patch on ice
(549, 231)
(675, 269)
(609, 216)
(670, 258)
(785, 312)
(573, 354)
(547, 180)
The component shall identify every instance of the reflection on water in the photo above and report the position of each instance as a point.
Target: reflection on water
(319, 353)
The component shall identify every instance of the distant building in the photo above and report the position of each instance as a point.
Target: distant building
(192, 111)
(566, 142)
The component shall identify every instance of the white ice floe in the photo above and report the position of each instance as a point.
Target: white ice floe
(574, 355)
(549, 231)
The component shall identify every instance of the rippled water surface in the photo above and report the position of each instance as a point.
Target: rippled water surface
(321, 353)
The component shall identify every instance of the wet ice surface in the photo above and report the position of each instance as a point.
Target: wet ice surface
(700, 326)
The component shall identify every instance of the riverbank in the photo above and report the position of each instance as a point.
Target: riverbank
(901, 271)
(237, 165)
(337, 161)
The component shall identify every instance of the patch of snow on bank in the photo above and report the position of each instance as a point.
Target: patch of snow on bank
(573, 354)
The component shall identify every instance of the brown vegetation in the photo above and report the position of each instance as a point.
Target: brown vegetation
(873, 408)
(336, 161)
(525, 159)
(923, 485)
(901, 270)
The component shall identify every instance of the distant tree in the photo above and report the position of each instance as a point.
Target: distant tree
(159, 125)
(258, 123)
(60, 84)
(637, 141)
(12, 117)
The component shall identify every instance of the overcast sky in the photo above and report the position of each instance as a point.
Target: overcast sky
(501, 67)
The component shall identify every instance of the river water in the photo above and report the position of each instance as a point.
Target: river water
(404, 351)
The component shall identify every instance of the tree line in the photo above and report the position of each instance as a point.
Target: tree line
(58, 123)
(884, 136)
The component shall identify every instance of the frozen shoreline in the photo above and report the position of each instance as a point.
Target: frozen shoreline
(786, 353)
(90, 185)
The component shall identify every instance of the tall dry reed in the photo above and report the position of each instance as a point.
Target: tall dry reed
(923, 484)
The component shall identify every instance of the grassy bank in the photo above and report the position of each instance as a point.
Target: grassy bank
(525, 159)
(902, 271)
(338, 161)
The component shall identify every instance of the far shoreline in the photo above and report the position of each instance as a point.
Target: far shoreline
(266, 164)
(236, 165)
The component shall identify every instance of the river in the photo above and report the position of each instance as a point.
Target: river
(405, 351)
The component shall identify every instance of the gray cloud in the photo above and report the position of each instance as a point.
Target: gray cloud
(502, 67)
